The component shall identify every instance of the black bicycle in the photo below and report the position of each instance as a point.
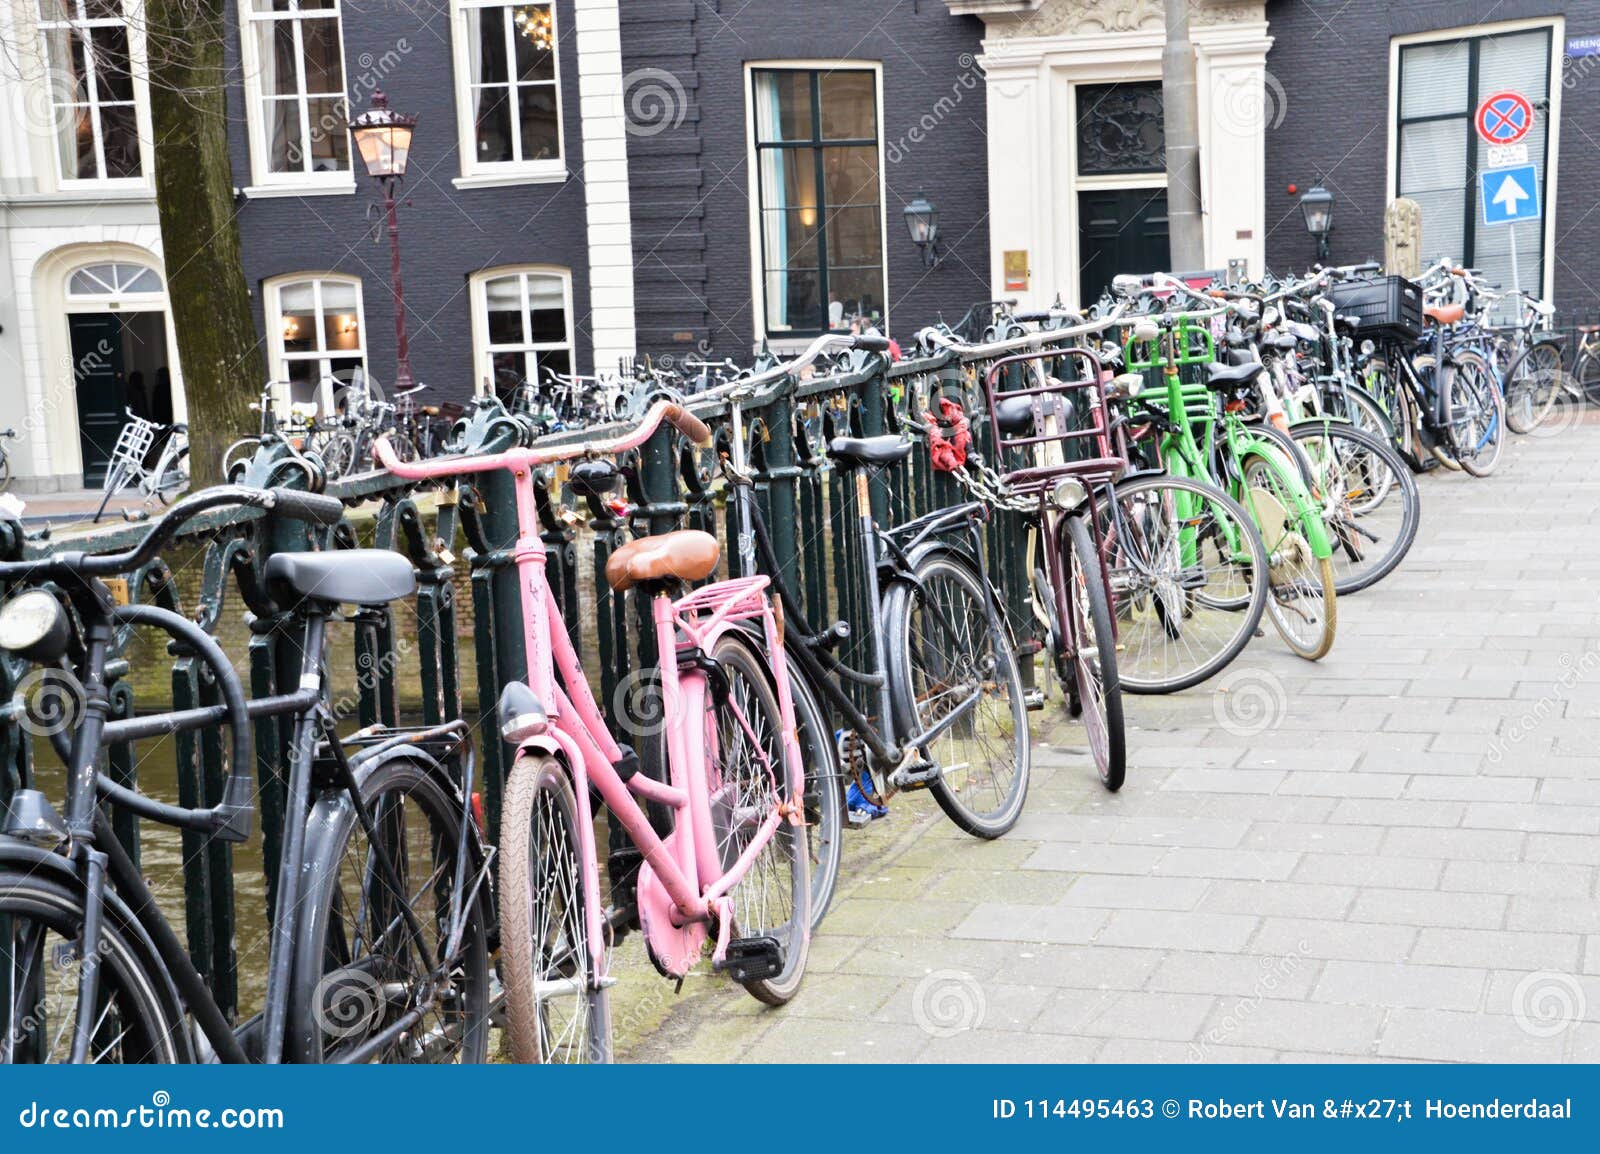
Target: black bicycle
(380, 935)
(946, 709)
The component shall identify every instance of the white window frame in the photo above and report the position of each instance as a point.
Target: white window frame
(482, 351)
(783, 342)
(281, 358)
(497, 174)
(133, 22)
(265, 182)
(1557, 26)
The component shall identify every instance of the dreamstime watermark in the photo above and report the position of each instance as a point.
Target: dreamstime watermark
(638, 706)
(947, 1003)
(1249, 701)
(347, 1003)
(1276, 970)
(1547, 1003)
(375, 67)
(1244, 103)
(370, 673)
(1577, 670)
(970, 79)
(48, 701)
(158, 1114)
(652, 101)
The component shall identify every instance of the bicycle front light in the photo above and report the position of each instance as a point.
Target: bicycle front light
(1069, 494)
(34, 626)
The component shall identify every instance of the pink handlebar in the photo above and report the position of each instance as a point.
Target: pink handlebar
(662, 412)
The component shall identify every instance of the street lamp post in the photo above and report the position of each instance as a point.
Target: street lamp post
(383, 137)
(922, 221)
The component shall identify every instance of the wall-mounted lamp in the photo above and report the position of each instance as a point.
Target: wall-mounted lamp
(1316, 204)
(922, 221)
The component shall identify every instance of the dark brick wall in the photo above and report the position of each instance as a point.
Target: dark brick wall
(691, 181)
(1332, 60)
(446, 233)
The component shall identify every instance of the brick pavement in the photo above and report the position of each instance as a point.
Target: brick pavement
(1391, 854)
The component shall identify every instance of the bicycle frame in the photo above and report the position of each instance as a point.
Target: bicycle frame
(683, 883)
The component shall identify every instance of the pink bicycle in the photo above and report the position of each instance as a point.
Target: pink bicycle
(733, 872)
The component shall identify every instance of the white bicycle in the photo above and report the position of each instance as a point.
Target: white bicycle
(163, 481)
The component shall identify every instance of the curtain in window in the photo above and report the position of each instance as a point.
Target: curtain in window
(774, 218)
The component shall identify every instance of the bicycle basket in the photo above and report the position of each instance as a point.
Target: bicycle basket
(1385, 306)
(134, 441)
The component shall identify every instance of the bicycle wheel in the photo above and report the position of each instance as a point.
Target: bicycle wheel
(336, 449)
(1477, 420)
(1188, 580)
(359, 971)
(174, 477)
(1094, 662)
(824, 795)
(556, 1011)
(1370, 504)
(748, 777)
(947, 645)
(1586, 372)
(137, 1015)
(1533, 382)
(5, 470)
(1438, 443)
(1303, 602)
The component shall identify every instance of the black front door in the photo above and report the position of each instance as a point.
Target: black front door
(97, 366)
(1120, 231)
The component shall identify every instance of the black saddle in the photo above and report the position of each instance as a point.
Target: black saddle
(1232, 376)
(353, 576)
(1018, 416)
(857, 452)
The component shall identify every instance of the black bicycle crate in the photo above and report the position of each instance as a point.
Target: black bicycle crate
(1385, 306)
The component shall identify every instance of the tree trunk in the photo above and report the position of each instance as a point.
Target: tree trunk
(210, 299)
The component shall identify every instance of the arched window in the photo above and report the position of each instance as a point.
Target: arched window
(521, 326)
(316, 333)
(114, 278)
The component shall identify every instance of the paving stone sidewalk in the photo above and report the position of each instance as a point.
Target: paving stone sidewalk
(1391, 854)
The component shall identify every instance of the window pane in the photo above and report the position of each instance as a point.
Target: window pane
(340, 330)
(65, 54)
(547, 325)
(324, 69)
(330, 143)
(138, 279)
(789, 178)
(1520, 62)
(75, 143)
(534, 41)
(794, 300)
(119, 137)
(540, 130)
(789, 238)
(553, 361)
(503, 296)
(487, 46)
(850, 176)
(93, 280)
(113, 79)
(509, 371)
(854, 292)
(849, 106)
(1433, 155)
(783, 106)
(276, 40)
(1433, 79)
(855, 237)
(494, 124)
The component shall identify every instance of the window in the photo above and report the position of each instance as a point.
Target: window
(116, 279)
(294, 67)
(818, 197)
(508, 98)
(1439, 154)
(91, 95)
(1121, 129)
(522, 327)
(315, 328)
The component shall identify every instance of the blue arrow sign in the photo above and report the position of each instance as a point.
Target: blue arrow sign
(1509, 194)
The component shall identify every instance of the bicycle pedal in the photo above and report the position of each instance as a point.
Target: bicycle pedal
(916, 776)
(1033, 700)
(752, 959)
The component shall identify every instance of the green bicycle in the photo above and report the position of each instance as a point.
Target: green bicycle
(1204, 437)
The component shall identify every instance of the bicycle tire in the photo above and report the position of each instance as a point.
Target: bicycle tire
(335, 1000)
(174, 480)
(1090, 604)
(1533, 383)
(134, 985)
(1472, 389)
(1342, 510)
(539, 800)
(1159, 585)
(5, 470)
(1290, 553)
(824, 793)
(903, 605)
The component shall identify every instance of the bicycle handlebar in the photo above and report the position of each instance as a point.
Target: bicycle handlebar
(941, 339)
(298, 504)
